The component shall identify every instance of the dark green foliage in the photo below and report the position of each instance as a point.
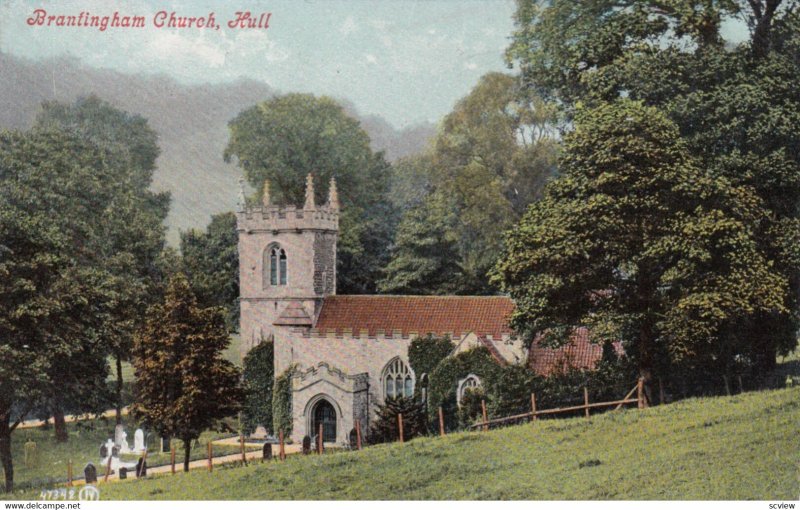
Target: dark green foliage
(211, 261)
(285, 138)
(636, 242)
(445, 377)
(425, 353)
(471, 409)
(183, 384)
(55, 290)
(259, 379)
(490, 160)
(509, 393)
(735, 105)
(282, 403)
(385, 427)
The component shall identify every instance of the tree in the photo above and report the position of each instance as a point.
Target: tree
(386, 426)
(259, 379)
(733, 103)
(211, 261)
(636, 242)
(131, 229)
(53, 289)
(183, 384)
(285, 138)
(489, 161)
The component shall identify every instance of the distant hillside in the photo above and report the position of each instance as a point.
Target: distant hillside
(191, 122)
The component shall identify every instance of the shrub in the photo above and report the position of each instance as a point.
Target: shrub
(259, 378)
(385, 427)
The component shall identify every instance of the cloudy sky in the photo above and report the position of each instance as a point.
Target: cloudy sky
(408, 61)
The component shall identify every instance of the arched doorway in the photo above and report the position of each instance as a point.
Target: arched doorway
(325, 415)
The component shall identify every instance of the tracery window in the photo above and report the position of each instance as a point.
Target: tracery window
(469, 383)
(398, 381)
(275, 264)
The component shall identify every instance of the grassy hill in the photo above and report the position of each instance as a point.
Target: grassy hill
(740, 447)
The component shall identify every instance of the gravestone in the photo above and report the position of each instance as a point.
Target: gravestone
(306, 445)
(123, 473)
(141, 468)
(165, 448)
(267, 451)
(90, 473)
(103, 451)
(138, 441)
(353, 439)
(115, 451)
(30, 453)
(119, 432)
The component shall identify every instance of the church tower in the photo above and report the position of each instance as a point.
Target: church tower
(287, 263)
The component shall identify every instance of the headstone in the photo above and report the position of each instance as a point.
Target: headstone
(353, 439)
(115, 451)
(103, 451)
(267, 451)
(30, 453)
(306, 445)
(138, 440)
(109, 447)
(119, 431)
(260, 433)
(165, 445)
(123, 473)
(90, 473)
(123, 444)
(141, 468)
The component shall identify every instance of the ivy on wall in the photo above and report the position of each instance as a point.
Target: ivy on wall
(424, 354)
(259, 379)
(282, 402)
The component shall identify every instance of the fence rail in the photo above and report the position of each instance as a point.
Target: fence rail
(640, 400)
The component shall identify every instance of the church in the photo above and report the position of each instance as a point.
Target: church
(351, 352)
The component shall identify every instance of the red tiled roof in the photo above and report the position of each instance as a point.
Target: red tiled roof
(579, 353)
(483, 315)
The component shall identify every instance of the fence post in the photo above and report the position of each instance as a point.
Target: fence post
(400, 425)
(281, 451)
(441, 422)
(586, 399)
(727, 386)
(69, 473)
(661, 392)
(533, 406)
(108, 469)
(241, 441)
(640, 393)
(741, 386)
(319, 440)
(358, 434)
(483, 413)
(210, 457)
(172, 456)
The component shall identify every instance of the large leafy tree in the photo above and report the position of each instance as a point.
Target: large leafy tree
(489, 161)
(211, 262)
(54, 288)
(130, 231)
(735, 105)
(285, 138)
(183, 384)
(637, 242)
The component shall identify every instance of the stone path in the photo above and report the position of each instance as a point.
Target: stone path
(29, 424)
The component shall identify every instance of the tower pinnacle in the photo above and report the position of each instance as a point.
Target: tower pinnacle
(333, 195)
(265, 194)
(309, 192)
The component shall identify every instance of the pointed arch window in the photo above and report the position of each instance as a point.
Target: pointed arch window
(398, 380)
(470, 383)
(276, 265)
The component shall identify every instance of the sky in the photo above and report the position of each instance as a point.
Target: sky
(407, 61)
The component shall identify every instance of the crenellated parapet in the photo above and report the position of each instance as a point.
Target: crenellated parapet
(364, 334)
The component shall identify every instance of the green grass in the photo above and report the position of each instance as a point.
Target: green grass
(740, 447)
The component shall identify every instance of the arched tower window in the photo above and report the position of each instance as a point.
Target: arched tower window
(469, 383)
(275, 265)
(397, 379)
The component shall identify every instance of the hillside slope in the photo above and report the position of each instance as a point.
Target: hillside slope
(191, 121)
(740, 447)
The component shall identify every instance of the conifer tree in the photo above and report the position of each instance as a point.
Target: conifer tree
(183, 384)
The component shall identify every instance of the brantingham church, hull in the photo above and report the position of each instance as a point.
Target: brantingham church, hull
(350, 353)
